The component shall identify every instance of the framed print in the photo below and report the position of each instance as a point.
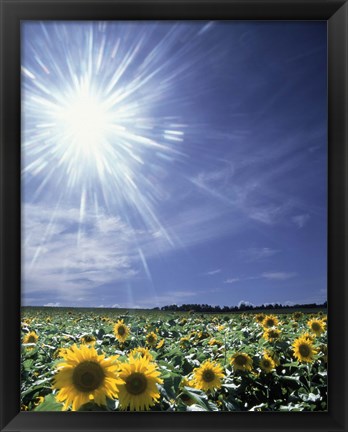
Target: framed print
(173, 215)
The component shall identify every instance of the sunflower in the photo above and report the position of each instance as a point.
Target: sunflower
(317, 326)
(141, 352)
(59, 352)
(203, 335)
(151, 339)
(241, 361)
(267, 364)
(208, 376)
(88, 340)
(38, 400)
(298, 315)
(274, 356)
(30, 338)
(121, 331)
(271, 334)
(184, 342)
(215, 342)
(323, 350)
(160, 344)
(294, 325)
(303, 350)
(270, 321)
(139, 391)
(83, 375)
(259, 318)
(185, 382)
(308, 336)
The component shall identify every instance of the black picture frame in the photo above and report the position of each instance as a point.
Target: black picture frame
(12, 13)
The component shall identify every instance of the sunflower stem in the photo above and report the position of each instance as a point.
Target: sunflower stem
(309, 368)
(225, 360)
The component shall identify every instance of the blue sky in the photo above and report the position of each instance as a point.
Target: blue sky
(173, 162)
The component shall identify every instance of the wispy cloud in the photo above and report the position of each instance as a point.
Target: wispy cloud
(213, 272)
(278, 275)
(269, 214)
(64, 261)
(253, 196)
(231, 280)
(301, 220)
(258, 254)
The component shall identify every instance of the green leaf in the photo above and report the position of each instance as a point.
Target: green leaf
(200, 399)
(27, 364)
(91, 406)
(101, 334)
(292, 364)
(49, 404)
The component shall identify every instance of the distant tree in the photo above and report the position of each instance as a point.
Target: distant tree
(243, 306)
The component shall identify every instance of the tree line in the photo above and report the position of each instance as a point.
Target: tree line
(241, 307)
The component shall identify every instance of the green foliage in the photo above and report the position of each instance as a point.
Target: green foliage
(189, 340)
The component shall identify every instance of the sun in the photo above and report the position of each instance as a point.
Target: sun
(85, 121)
(99, 129)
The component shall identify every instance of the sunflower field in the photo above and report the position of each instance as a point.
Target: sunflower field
(117, 360)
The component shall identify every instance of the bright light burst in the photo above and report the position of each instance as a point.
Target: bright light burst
(92, 97)
(84, 122)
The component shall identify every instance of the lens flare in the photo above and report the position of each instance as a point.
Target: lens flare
(92, 123)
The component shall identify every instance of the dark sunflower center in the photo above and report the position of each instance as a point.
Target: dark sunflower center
(208, 375)
(31, 339)
(89, 338)
(273, 334)
(315, 326)
(304, 350)
(151, 339)
(88, 376)
(270, 323)
(136, 383)
(266, 363)
(240, 360)
(121, 330)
